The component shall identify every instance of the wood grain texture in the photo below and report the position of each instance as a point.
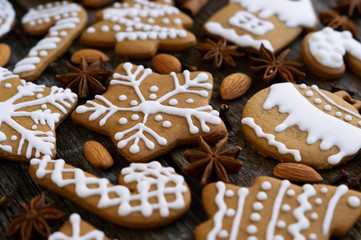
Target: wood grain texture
(71, 137)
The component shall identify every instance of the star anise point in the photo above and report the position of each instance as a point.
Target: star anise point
(215, 164)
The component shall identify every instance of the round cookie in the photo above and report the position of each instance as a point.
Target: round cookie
(325, 53)
(7, 18)
(296, 123)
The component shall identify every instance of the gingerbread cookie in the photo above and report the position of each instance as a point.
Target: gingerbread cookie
(278, 210)
(7, 17)
(250, 23)
(138, 28)
(29, 116)
(63, 22)
(77, 229)
(326, 51)
(296, 123)
(147, 114)
(150, 195)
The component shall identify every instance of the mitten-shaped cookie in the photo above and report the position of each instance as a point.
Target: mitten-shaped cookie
(147, 114)
(327, 51)
(62, 22)
(29, 115)
(296, 123)
(138, 28)
(278, 210)
(149, 195)
(251, 23)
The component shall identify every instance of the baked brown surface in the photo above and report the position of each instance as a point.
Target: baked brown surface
(71, 137)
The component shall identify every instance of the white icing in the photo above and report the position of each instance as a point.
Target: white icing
(324, 190)
(257, 206)
(158, 118)
(8, 85)
(122, 98)
(39, 53)
(348, 118)
(145, 176)
(252, 229)
(189, 100)
(314, 216)
(7, 17)
(298, 13)
(299, 213)
(340, 192)
(338, 114)
(154, 89)
(75, 230)
(255, 217)
(318, 201)
(134, 78)
(312, 236)
(222, 209)
(266, 185)
(229, 193)
(261, 196)
(230, 34)
(276, 208)
(335, 133)
(131, 16)
(123, 120)
(166, 124)
(309, 94)
(41, 142)
(104, 28)
(247, 21)
(271, 139)
(230, 212)
(291, 193)
(353, 202)
(317, 101)
(286, 207)
(328, 47)
(327, 108)
(281, 224)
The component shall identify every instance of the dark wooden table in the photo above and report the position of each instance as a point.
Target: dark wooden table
(71, 137)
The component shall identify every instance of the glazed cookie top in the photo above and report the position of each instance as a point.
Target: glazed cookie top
(146, 113)
(29, 116)
(133, 22)
(305, 124)
(63, 22)
(250, 23)
(277, 210)
(7, 17)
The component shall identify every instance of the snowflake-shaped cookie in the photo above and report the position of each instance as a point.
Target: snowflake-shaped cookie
(29, 114)
(147, 114)
(138, 28)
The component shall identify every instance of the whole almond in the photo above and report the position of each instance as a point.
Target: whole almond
(90, 55)
(97, 155)
(234, 86)
(296, 172)
(5, 53)
(166, 63)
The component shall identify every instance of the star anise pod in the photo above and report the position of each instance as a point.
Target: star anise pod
(351, 7)
(86, 78)
(339, 23)
(213, 165)
(35, 217)
(220, 52)
(276, 68)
